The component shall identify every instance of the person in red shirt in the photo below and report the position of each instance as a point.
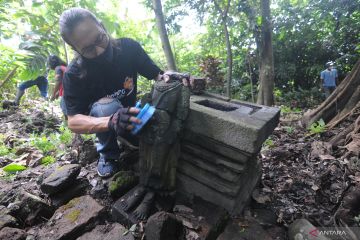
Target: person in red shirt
(59, 66)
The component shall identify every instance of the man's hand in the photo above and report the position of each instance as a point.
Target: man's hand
(181, 77)
(53, 97)
(122, 120)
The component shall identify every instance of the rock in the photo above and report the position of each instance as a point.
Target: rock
(6, 220)
(8, 193)
(72, 219)
(265, 217)
(242, 230)
(87, 153)
(113, 231)
(302, 229)
(164, 226)
(119, 215)
(78, 189)
(60, 178)
(30, 208)
(12, 234)
(122, 182)
(206, 219)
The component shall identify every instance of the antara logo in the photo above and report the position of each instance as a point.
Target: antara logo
(316, 232)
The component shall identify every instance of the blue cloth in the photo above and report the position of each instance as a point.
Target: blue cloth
(41, 82)
(329, 77)
(107, 146)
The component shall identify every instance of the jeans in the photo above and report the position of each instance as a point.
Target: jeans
(328, 91)
(41, 82)
(63, 106)
(107, 145)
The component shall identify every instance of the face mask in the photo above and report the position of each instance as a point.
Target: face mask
(105, 57)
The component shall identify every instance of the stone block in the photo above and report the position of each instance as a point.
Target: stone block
(219, 148)
(60, 179)
(6, 220)
(8, 233)
(238, 124)
(164, 226)
(72, 220)
(114, 231)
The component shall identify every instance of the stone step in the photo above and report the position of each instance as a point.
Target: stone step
(190, 187)
(211, 157)
(209, 179)
(214, 146)
(218, 170)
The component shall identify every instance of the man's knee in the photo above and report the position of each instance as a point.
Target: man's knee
(26, 85)
(105, 107)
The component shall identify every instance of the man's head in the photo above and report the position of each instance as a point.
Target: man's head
(329, 65)
(54, 61)
(84, 32)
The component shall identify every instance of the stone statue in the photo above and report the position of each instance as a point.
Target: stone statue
(160, 147)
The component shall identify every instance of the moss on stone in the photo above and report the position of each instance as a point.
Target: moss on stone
(73, 215)
(71, 203)
(122, 181)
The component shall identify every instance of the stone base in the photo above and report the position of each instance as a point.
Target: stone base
(119, 215)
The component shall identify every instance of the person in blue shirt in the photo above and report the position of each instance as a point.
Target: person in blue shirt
(329, 78)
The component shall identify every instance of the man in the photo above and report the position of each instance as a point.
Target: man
(55, 63)
(41, 82)
(59, 66)
(329, 79)
(101, 82)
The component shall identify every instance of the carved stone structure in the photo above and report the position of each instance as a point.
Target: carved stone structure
(159, 150)
(222, 138)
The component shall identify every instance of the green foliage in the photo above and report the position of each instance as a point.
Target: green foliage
(3, 150)
(42, 143)
(302, 98)
(48, 160)
(317, 127)
(13, 168)
(88, 137)
(269, 143)
(306, 34)
(289, 129)
(66, 135)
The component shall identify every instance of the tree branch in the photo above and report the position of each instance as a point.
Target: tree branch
(9, 76)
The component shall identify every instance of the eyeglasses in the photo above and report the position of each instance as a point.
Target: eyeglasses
(101, 41)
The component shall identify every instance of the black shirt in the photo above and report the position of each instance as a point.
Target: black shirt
(116, 78)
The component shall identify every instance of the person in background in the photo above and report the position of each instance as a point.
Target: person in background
(41, 82)
(100, 85)
(55, 63)
(329, 79)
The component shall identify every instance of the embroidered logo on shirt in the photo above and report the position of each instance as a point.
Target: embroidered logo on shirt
(128, 88)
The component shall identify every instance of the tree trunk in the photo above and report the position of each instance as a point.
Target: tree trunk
(229, 57)
(340, 103)
(8, 76)
(160, 22)
(229, 60)
(266, 78)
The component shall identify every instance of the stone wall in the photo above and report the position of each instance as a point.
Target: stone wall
(221, 140)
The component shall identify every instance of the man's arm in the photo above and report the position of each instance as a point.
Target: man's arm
(58, 80)
(55, 93)
(83, 124)
(321, 80)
